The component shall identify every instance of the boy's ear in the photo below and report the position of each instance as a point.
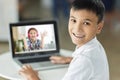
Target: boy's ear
(100, 26)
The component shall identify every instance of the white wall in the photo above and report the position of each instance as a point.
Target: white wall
(8, 14)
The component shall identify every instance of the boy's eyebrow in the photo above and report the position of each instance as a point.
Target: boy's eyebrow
(72, 17)
(84, 19)
(88, 20)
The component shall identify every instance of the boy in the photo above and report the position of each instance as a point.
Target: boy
(89, 59)
(33, 43)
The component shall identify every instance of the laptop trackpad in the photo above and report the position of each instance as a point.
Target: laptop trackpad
(46, 65)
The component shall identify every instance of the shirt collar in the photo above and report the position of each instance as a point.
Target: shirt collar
(79, 50)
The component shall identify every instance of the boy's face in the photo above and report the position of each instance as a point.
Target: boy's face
(33, 35)
(83, 26)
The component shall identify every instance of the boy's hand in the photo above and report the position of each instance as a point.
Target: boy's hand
(28, 73)
(60, 59)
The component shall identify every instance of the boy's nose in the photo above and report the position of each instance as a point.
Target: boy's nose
(78, 27)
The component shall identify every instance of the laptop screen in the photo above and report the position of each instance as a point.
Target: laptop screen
(34, 38)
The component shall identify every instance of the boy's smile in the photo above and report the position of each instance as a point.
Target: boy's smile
(78, 36)
(83, 26)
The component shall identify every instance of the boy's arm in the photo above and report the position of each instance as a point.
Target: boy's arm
(80, 69)
(60, 59)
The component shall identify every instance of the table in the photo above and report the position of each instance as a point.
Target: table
(9, 69)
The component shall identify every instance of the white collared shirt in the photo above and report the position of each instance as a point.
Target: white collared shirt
(89, 63)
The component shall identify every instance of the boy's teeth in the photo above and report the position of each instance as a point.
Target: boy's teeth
(78, 36)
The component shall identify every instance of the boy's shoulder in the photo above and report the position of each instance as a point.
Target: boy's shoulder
(94, 48)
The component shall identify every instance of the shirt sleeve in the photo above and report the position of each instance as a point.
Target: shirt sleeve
(80, 69)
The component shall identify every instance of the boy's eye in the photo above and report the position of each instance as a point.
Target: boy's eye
(86, 23)
(73, 20)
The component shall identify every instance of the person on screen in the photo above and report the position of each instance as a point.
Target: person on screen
(89, 61)
(34, 43)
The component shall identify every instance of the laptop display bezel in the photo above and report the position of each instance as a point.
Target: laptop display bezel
(35, 54)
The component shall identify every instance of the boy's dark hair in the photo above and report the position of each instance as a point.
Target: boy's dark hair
(95, 6)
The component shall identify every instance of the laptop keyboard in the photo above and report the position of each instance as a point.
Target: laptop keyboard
(32, 60)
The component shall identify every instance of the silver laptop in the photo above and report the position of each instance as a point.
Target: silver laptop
(24, 51)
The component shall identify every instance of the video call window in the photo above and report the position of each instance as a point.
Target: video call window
(33, 38)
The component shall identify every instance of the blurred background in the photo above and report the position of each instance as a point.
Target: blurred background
(31, 10)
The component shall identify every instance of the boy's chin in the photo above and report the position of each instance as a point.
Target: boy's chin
(77, 43)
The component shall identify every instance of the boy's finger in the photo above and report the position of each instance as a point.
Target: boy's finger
(24, 66)
(53, 61)
(29, 66)
(55, 57)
